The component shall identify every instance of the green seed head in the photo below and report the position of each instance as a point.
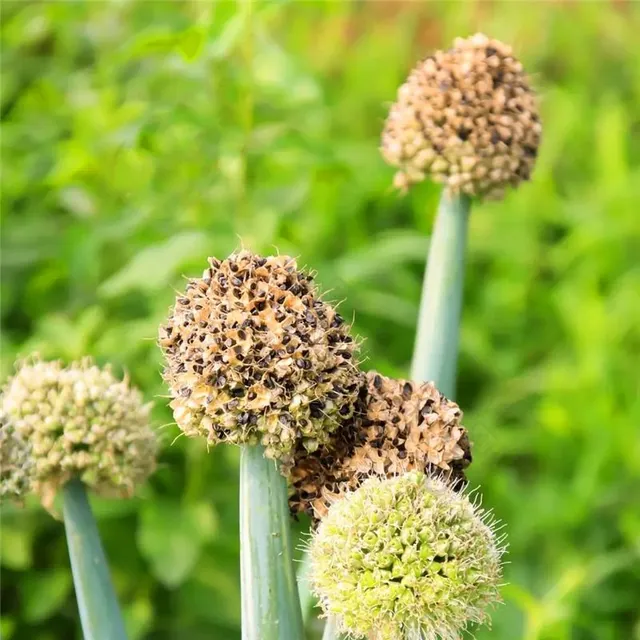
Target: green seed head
(254, 355)
(398, 426)
(406, 558)
(16, 463)
(80, 421)
(465, 117)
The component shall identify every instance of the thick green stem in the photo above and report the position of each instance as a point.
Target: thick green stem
(331, 630)
(99, 611)
(306, 597)
(435, 354)
(270, 605)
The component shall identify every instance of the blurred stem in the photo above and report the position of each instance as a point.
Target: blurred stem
(270, 605)
(435, 354)
(306, 597)
(331, 630)
(99, 610)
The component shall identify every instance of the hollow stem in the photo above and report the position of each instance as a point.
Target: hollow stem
(100, 614)
(435, 354)
(270, 605)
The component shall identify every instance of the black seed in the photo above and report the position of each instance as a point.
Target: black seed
(439, 558)
(344, 410)
(285, 418)
(236, 282)
(530, 151)
(238, 392)
(377, 382)
(490, 51)
(407, 389)
(402, 454)
(495, 138)
(260, 305)
(221, 381)
(184, 301)
(463, 133)
(233, 266)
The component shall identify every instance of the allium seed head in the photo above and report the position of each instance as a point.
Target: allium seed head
(466, 117)
(398, 426)
(254, 355)
(80, 421)
(16, 463)
(406, 558)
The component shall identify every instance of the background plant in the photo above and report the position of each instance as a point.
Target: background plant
(136, 142)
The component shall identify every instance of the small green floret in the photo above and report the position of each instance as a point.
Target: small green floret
(406, 558)
(80, 421)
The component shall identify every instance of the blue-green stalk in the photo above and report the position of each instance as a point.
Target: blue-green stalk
(270, 604)
(435, 354)
(99, 611)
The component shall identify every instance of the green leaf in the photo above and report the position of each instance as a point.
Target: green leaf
(43, 593)
(171, 537)
(156, 265)
(190, 43)
(15, 548)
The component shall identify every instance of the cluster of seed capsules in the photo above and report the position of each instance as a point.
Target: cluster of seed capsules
(78, 421)
(466, 117)
(253, 354)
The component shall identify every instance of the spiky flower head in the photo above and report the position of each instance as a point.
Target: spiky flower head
(16, 463)
(466, 117)
(80, 421)
(398, 426)
(406, 558)
(254, 355)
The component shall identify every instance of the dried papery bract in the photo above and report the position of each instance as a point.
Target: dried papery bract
(466, 117)
(253, 355)
(406, 558)
(398, 426)
(80, 421)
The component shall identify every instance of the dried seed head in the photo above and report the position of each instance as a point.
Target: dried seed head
(406, 557)
(398, 426)
(80, 421)
(254, 355)
(466, 117)
(16, 463)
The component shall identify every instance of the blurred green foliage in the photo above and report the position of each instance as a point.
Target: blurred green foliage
(138, 138)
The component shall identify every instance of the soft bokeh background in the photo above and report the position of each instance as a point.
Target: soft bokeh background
(138, 138)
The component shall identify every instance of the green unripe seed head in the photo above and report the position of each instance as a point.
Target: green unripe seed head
(16, 462)
(426, 567)
(80, 421)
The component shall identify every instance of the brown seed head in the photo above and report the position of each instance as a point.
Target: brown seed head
(466, 117)
(399, 426)
(254, 355)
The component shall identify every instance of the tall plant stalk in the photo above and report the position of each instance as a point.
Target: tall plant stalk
(270, 605)
(435, 354)
(99, 610)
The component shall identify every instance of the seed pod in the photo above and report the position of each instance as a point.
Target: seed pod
(399, 426)
(404, 558)
(16, 463)
(466, 117)
(80, 421)
(254, 355)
